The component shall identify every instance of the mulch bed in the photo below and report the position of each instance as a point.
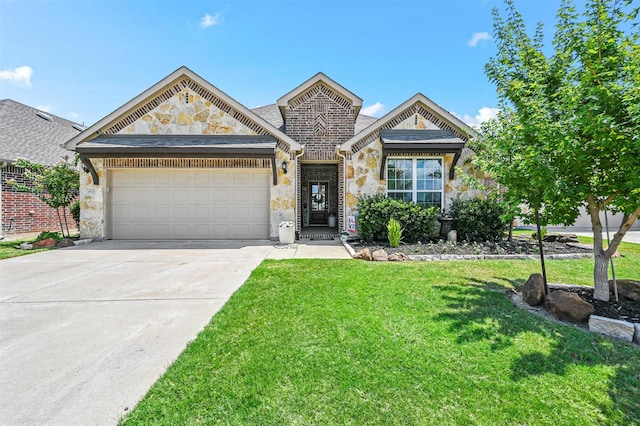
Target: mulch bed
(518, 245)
(624, 309)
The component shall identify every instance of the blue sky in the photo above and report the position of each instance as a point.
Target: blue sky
(83, 59)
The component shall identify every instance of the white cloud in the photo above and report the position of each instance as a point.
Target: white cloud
(374, 110)
(477, 37)
(73, 115)
(20, 76)
(45, 108)
(484, 114)
(211, 20)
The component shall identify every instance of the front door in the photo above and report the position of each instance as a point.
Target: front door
(318, 214)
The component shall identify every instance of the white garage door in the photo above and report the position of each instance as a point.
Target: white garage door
(189, 204)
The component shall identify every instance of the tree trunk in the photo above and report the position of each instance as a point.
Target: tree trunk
(66, 224)
(544, 270)
(601, 277)
(60, 221)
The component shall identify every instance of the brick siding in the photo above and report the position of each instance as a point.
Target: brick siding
(24, 212)
(320, 121)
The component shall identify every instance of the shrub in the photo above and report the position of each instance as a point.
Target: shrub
(394, 233)
(478, 220)
(418, 222)
(44, 235)
(75, 212)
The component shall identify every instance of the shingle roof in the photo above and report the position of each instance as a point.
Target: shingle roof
(24, 134)
(271, 114)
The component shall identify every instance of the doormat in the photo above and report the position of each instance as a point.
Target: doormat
(318, 236)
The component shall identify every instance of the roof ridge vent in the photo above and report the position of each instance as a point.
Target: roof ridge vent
(44, 116)
(79, 127)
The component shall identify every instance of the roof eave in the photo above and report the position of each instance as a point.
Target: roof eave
(94, 130)
(418, 97)
(283, 101)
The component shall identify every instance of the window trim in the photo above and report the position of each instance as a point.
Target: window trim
(414, 191)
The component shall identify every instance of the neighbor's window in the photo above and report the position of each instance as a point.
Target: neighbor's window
(415, 179)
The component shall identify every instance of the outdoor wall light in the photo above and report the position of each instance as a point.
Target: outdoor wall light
(284, 167)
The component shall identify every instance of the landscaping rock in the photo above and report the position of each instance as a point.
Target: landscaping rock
(380, 256)
(567, 238)
(26, 246)
(398, 257)
(533, 290)
(627, 289)
(452, 236)
(613, 328)
(48, 242)
(65, 242)
(567, 306)
(364, 254)
(581, 246)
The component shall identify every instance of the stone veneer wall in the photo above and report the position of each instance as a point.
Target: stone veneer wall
(363, 171)
(187, 112)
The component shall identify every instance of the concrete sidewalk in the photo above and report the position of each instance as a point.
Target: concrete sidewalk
(630, 236)
(305, 249)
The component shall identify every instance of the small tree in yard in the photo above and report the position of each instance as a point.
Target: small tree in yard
(57, 186)
(568, 135)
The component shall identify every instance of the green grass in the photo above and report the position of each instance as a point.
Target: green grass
(8, 249)
(347, 342)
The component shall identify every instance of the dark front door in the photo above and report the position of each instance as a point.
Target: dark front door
(318, 213)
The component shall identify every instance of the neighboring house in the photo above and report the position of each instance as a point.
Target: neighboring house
(37, 136)
(183, 160)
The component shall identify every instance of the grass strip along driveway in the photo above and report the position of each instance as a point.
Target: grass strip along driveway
(346, 342)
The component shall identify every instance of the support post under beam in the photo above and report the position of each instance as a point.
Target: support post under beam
(274, 170)
(452, 170)
(89, 165)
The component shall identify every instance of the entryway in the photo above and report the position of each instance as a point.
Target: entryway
(319, 197)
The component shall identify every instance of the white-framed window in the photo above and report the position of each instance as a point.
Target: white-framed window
(416, 179)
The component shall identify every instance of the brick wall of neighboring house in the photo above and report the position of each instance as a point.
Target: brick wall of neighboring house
(320, 119)
(24, 212)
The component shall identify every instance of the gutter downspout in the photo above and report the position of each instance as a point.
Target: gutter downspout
(3, 165)
(298, 183)
(344, 189)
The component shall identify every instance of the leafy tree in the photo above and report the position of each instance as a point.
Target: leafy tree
(567, 136)
(57, 186)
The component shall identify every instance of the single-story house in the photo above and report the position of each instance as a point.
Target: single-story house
(183, 160)
(34, 135)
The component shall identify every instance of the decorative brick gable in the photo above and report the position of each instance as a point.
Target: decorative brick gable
(320, 119)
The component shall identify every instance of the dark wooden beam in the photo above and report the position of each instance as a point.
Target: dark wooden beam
(89, 165)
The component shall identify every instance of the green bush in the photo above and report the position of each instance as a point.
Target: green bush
(394, 232)
(75, 212)
(44, 235)
(419, 223)
(478, 220)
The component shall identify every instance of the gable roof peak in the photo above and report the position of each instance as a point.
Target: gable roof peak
(417, 104)
(170, 84)
(320, 77)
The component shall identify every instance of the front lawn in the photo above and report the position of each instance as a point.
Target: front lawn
(353, 342)
(8, 249)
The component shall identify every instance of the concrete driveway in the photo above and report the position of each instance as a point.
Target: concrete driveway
(85, 331)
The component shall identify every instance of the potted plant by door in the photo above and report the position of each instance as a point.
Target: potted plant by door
(286, 232)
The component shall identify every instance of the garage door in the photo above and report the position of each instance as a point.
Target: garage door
(189, 204)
